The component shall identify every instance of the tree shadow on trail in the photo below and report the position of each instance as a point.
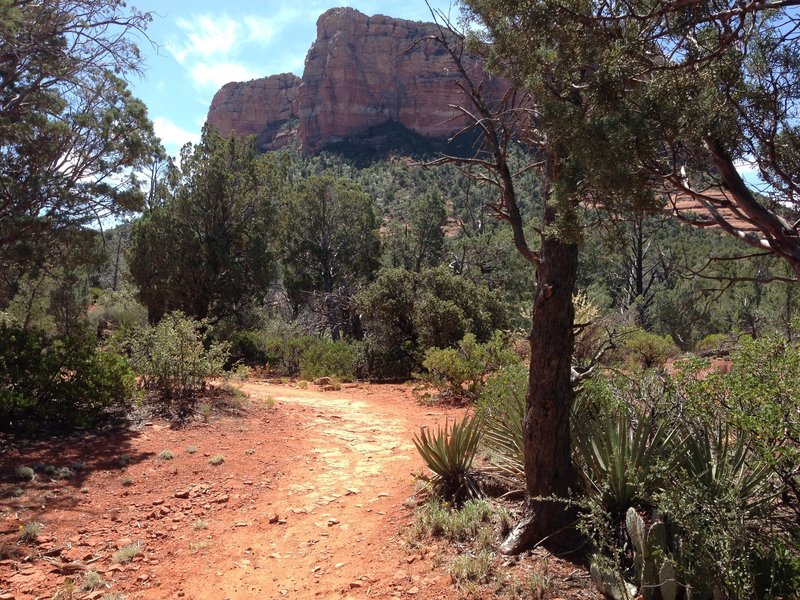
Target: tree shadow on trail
(49, 474)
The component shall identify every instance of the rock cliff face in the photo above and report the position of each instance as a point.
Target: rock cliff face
(266, 108)
(360, 72)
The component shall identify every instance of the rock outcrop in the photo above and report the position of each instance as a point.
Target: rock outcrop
(360, 72)
(266, 108)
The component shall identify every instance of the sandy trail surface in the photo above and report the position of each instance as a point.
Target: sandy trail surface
(310, 501)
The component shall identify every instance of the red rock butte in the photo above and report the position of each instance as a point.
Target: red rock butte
(360, 72)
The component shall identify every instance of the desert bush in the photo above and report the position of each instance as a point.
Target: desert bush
(91, 581)
(640, 349)
(249, 347)
(64, 380)
(25, 473)
(706, 461)
(715, 344)
(332, 359)
(469, 568)
(474, 520)
(172, 359)
(460, 372)
(116, 309)
(406, 313)
(127, 553)
(618, 453)
(284, 355)
(29, 531)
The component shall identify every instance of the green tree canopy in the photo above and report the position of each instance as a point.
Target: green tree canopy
(405, 313)
(71, 134)
(207, 249)
(330, 248)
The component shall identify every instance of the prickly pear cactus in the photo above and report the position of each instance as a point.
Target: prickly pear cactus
(657, 577)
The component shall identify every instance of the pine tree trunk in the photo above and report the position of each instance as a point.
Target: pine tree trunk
(548, 461)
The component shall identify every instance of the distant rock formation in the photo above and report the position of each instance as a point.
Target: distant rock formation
(266, 108)
(361, 72)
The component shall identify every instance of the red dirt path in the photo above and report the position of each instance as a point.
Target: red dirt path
(310, 502)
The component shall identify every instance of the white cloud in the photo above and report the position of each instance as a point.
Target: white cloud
(259, 29)
(172, 135)
(215, 48)
(215, 75)
(204, 36)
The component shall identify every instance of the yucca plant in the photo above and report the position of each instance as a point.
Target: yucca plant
(501, 408)
(616, 452)
(724, 466)
(449, 452)
(503, 439)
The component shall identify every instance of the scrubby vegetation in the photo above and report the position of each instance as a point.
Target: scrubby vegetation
(687, 469)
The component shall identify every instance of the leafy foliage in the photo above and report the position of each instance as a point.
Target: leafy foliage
(643, 350)
(406, 313)
(328, 358)
(460, 372)
(707, 453)
(64, 380)
(205, 249)
(71, 134)
(171, 357)
(329, 246)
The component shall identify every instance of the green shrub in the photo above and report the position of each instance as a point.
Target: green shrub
(64, 380)
(171, 357)
(249, 347)
(460, 372)
(618, 452)
(284, 355)
(25, 473)
(715, 344)
(715, 495)
(326, 358)
(116, 310)
(405, 313)
(646, 350)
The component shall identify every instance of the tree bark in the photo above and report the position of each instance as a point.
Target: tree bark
(548, 454)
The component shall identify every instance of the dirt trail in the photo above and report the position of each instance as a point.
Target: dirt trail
(310, 502)
(340, 505)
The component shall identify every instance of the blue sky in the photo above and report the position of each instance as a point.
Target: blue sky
(199, 45)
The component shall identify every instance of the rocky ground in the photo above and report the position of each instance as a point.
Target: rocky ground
(312, 498)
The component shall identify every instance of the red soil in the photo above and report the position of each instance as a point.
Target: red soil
(310, 501)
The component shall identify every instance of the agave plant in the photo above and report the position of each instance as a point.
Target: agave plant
(449, 452)
(616, 452)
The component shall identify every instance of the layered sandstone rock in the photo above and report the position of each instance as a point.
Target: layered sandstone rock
(266, 108)
(360, 72)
